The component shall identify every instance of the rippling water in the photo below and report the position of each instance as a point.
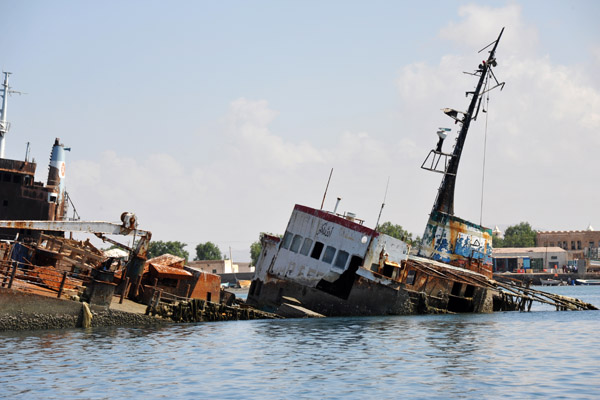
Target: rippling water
(542, 354)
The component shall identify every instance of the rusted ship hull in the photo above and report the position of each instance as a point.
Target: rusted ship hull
(368, 298)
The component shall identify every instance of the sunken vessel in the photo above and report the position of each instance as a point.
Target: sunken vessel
(334, 265)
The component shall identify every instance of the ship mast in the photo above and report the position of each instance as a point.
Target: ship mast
(3, 124)
(444, 202)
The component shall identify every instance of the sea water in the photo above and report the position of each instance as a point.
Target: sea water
(518, 355)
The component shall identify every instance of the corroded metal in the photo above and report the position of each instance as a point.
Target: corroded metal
(458, 242)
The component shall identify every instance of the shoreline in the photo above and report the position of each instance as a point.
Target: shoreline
(20, 311)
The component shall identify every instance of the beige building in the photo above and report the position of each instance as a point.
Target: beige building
(220, 267)
(579, 244)
(534, 259)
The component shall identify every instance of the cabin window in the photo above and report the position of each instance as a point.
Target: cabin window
(287, 240)
(296, 242)
(410, 277)
(6, 178)
(316, 251)
(306, 246)
(340, 260)
(328, 255)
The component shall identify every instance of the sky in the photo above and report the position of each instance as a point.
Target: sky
(210, 120)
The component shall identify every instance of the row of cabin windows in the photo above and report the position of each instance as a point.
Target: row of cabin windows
(298, 244)
(33, 195)
(575, 245)
(16, 178)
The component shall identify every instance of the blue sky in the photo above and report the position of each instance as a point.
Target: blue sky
(210, 120)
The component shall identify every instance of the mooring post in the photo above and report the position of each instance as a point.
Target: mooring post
(12, 275)
(125, 288)
(138, 282)
(155, 306)
(149, 306)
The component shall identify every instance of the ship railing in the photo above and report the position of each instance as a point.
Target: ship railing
(21, 166)
(47, 280)
(433, 160)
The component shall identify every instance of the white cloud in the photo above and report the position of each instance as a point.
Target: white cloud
(249, 122)
(542, 128)
(480, 25)
(541, 135)
(249, 189)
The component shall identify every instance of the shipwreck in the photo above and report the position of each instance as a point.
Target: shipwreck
(334, 265)
(45, 277)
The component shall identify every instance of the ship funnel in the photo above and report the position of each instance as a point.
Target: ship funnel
(56, 170)
(337, 203)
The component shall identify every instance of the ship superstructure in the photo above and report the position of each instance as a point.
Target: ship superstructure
(21, 197)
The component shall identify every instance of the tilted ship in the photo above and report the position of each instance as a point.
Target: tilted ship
(21, 197)
(334, 265)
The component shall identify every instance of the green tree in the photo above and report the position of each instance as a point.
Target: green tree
(521, 235)
(397, 232)
(158, 248)
(208, 251)
(256, 247)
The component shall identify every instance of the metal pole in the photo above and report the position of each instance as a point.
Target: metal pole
(327, 187)
(3, 124)
(62, 284)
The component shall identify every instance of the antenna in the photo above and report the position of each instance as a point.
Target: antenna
(4, 125)
(383, 203)
(327, 187)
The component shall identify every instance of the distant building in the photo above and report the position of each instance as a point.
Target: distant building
(579, 244)
(220, 267)
(497, 233)
(535, 259)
